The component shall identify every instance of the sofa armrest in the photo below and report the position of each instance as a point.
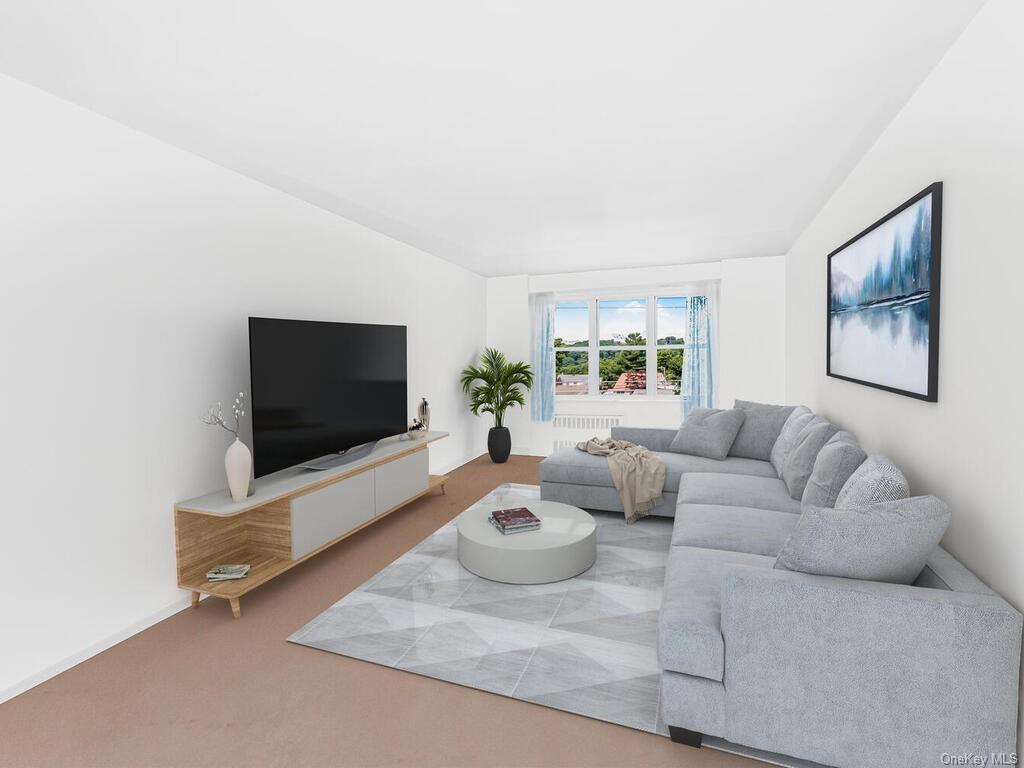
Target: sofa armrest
(849, 672)
(652, 438)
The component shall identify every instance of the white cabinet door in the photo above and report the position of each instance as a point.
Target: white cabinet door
(325, 514)
(399, 480)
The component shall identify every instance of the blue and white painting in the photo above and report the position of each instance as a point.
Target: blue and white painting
(880, 303)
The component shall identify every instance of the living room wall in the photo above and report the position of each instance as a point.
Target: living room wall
(964, 127)
(130, 268)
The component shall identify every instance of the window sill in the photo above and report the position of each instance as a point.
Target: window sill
(617, 399)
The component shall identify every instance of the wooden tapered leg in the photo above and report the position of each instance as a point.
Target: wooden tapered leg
(236, 607)
(683, 736)
(195, 599)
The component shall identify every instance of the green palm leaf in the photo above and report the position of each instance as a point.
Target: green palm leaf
(501, 384)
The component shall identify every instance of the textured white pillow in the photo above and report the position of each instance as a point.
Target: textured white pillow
(708, 432)
(882, 542)
(803, 452)
(797, 420)
(874, 481)
(835, 463)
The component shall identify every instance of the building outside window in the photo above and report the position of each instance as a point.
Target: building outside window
(620, 347)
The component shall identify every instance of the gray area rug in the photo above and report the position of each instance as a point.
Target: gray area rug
(586, 645)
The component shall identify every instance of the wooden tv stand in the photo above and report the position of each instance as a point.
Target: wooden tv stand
(294, 514)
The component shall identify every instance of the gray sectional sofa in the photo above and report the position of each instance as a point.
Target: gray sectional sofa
(839, 671)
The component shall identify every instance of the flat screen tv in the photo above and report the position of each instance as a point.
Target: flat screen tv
(322, 388)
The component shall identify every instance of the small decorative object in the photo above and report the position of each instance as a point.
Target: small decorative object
(515, 520)
(415, 428)
(503, 384)
(883, 302)
(423, 413)
(228, 572)
(238, 459)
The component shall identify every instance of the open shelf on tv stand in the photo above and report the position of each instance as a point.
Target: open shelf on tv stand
(295, 514)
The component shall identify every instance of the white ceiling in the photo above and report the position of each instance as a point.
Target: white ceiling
(510, 137)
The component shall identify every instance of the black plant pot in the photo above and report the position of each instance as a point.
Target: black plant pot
(499, 444)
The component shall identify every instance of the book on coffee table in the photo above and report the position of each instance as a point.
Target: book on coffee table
(510, 531)
(515, 520)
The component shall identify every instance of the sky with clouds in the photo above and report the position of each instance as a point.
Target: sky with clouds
(619, 317)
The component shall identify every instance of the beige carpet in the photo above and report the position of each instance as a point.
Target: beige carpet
(203, 689)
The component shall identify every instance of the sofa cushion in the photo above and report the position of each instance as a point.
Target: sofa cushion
(803, 453)
(795, 422)
(737, 491)
(681, 464)
(708, 432)
(889, 542)
(876, 480)
(570, 465)
(760, 429)
(601, 498)
(736, 529)
(690, 623)
(835, 463)
(651, 438)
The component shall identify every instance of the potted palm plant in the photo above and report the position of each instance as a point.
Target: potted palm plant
(493, 388)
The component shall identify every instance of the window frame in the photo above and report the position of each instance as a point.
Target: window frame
(651, 348)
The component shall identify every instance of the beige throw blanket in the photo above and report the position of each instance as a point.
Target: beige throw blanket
(638, 474)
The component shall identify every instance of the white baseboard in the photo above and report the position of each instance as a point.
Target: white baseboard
(87, 653)
(123, 634)
(451, 466)
(516, 450)
(524, 451)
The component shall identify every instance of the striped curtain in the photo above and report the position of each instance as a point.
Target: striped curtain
(542, 354)
(698, 377)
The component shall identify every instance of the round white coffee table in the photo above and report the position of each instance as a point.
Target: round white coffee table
(564, 546)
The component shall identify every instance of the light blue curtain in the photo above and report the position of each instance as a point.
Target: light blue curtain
(542, 354)
(698, 377)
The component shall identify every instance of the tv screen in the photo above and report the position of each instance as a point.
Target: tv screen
(321, 388)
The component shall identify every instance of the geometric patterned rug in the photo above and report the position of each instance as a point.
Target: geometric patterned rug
(585, 645)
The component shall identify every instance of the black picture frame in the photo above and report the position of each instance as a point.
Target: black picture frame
(932, 394)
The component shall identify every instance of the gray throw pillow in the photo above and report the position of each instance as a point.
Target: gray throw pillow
(760, 429)
(877, 479)
(803, 453)
(883, 542)
(835, 463)
(796, 421)
(708, 432)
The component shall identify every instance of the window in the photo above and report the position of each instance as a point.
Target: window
(620, 347)
(572, 342)
(670, 324)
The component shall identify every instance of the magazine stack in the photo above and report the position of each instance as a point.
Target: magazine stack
(516, 520)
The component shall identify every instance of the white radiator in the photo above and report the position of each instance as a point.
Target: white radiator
(586, 421)
(572, 428)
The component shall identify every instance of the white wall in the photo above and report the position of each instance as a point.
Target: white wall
(751, 323)
(625, 278)
(508, 330)
(129, 268)
(965, 127)
(751, 331)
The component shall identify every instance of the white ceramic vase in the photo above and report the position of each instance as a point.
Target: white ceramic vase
(238, 465)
